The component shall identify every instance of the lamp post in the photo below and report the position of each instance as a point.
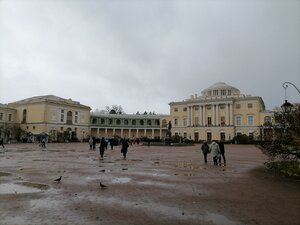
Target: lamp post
(287, 106)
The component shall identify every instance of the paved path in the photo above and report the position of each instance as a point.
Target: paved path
(155, 185)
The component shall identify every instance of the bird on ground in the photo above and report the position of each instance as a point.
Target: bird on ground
(58, 179)
(102, 185)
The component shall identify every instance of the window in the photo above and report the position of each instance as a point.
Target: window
(250, 105)
(33, 128)
(1, 115)
(176, 122)
(196, 108)
(118, 121)
(222, 120)
(141, 122)
(175, 109)
(62, 115)
(238, 120)
(229, 92)
(222, 107)
(209, 121)
(184, 109)
(134, 122)
(185, 121)
(76, 117)
(69, 117)
(149, 122)
(250, 120)
(125, 122)
(238, 106)
(223, 92)
(9, 117)
(24, 116)
(102, 121)
(110, 122)
(157, 122)
(267, 119)
(184, 134)
(208, 108)
(94, 121)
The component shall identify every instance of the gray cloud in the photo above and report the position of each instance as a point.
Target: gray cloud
(144, 54)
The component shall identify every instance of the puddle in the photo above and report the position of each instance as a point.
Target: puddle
(154, 183)
(121, 180)
(17, 189)
(185, 174)
(4, 174)
(220, 219)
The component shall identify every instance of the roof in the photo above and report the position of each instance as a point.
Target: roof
(49, 98)
(220, 86)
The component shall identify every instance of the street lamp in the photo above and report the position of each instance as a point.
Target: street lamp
(287, 106)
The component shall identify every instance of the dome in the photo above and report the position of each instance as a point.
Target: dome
(220, 89)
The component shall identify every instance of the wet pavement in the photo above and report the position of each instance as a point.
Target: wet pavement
(154, 185)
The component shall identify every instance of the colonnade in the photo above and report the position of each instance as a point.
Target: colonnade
(203, 114)
(130, 132)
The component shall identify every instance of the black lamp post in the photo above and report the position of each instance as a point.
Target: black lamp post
(287, 106)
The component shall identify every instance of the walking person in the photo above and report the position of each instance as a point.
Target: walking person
(205, 150)
(102, 147)
(214, 149)
(2, 142)
(222, 151)
(91, 143)
(124, 148)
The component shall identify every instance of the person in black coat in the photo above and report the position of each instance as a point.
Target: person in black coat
(102, 147)
(205, 150)
(124, 149)
(222, 150)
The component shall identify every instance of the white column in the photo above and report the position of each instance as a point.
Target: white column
(137, 133)
(204, 115)
(231, 114)
(105, 132)
(188, 116)
(152, 133)
(199, 116)
(97, 132)
(217, 115)
(213, 115)
(129, 133)
(122, 133)
(192, 116)
(227, 115)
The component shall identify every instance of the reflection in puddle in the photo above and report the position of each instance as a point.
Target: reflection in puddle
(219, 219)
(154, 183)
(16, 189)
(121, 180)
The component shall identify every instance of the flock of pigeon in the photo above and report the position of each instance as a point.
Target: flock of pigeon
(101, 185)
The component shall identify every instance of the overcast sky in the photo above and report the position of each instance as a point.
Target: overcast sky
(144, 54)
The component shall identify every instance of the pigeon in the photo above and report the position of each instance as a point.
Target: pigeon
(58, 179)
(102, 185)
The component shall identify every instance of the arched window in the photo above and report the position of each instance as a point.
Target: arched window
(118, 121)
(125, 122)
(141, 122)
(133, 122)
(149, 122)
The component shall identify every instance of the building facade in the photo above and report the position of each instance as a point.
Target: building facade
(128, 125)
(48, 115)
(220, 113)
